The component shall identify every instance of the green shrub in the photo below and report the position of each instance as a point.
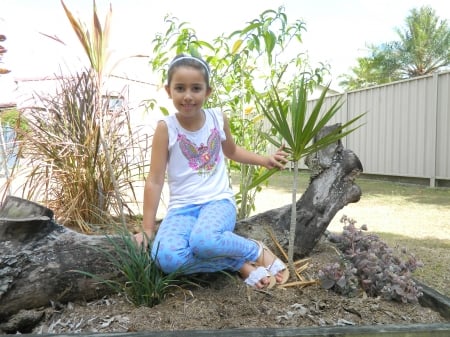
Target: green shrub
(13, 118)
(142, 282)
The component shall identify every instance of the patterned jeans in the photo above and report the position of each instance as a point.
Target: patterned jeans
(200, 238)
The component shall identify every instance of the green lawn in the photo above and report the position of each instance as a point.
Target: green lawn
(407, 216)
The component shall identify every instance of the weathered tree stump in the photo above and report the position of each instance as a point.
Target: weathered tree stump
(39, 259)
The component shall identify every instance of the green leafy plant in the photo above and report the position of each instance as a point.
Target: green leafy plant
(242, 63)
(142, 281)
(295, 128)
(243, 128)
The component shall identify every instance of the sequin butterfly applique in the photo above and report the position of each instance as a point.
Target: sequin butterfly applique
(201, 158)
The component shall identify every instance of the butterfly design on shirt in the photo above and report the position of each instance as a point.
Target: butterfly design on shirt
(203, 158)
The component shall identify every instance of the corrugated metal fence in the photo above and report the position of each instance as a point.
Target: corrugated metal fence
(406, 128)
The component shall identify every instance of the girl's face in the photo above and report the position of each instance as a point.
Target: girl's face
(188, 90)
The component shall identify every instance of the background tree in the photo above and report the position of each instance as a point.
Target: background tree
(423, 48)
(244, 64)
(378, 68)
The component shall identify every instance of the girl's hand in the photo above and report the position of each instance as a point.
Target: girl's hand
(142, 238)
(278, 159)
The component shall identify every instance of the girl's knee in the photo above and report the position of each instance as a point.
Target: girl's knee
(168, 266)
(204, 247)
(167, 259)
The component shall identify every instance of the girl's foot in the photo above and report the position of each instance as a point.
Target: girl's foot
(273, 264)
(257, 276)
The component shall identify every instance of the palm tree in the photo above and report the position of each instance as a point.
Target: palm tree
(382, 66)
(424, 44)
(295, 129)
(423, 48)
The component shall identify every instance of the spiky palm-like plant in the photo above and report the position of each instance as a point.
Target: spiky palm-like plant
(294, 128)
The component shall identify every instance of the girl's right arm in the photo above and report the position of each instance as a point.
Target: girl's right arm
(154, 182)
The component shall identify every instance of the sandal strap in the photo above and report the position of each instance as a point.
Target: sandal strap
(256, 275)
(276, 267)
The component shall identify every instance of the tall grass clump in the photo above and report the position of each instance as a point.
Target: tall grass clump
(141, 281)
(83, 155)
(69, 169)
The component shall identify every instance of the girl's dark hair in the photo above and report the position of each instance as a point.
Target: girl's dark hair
(183, 60)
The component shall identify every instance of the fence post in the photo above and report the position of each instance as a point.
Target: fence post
(433, 118)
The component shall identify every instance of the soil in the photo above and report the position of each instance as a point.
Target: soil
(223, 302)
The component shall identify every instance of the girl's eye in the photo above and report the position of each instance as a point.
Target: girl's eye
(180, 88)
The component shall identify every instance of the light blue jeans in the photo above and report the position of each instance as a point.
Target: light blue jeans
(200, 238)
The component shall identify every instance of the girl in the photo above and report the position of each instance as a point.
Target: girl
(197, 235)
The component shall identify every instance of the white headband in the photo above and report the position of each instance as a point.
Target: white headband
(191, 58)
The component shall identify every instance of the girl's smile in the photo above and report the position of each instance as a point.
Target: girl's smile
(189, 91)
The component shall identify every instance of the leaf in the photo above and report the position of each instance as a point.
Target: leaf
(236, 46)
(270, 41)
(327, 283)
(342, 282)
(193, 51)
(95, 46)
(263, 177)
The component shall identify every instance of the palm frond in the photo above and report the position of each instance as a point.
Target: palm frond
(299, 132)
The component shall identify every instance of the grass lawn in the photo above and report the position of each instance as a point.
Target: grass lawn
(403, 215)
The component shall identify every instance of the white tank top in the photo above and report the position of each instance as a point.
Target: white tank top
(196, 168)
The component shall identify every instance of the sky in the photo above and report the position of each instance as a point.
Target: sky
(337, 31)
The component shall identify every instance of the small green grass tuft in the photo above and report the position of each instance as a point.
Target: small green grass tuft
(143, 283)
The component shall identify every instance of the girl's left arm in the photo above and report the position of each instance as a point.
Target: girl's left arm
(241, 155)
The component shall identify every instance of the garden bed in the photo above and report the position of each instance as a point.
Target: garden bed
(222, 303)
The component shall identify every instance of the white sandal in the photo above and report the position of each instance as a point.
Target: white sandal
(257, 275)
(277, 266)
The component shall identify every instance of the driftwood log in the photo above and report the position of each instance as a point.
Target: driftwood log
(332, 186)
(40, 260)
